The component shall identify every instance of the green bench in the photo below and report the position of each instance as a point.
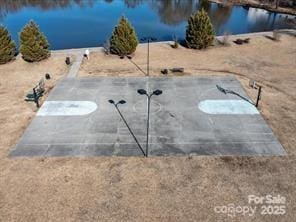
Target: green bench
(36, 93)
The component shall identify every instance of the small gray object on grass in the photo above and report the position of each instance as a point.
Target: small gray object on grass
(247, 40)
(241, 41)
(253, 84)
(176, 43)
(164, 71)
(47, 76)
(276, 35)
(68, 62)
(177, 70)
(224, 40)
(86, 54)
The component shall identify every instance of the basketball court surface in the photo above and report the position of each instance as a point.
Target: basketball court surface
(191, 116)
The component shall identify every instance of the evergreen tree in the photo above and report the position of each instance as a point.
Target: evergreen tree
(33, 44)
(124, 40)
(205, 4)
(199, 32)
(7, 46)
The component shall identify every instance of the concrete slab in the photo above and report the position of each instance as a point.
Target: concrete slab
(178, 126)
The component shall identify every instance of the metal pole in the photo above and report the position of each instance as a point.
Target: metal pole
(148, 119)
(148, 58)
(258, 96)
(130, 130)
(36, 98)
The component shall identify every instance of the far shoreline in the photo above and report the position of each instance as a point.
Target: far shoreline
(251, 4)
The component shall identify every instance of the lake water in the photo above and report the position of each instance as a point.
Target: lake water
(89, 23)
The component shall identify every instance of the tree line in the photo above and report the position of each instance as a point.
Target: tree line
(34, 45)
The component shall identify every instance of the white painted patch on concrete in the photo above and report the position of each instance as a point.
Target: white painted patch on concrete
(238, 107)
(67, 108)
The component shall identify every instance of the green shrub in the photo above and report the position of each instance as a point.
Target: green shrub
(124, 40)
(199, 32)
(7, 46)
(33, 44)
(204, 4)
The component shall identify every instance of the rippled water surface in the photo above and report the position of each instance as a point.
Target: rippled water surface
(86, 23)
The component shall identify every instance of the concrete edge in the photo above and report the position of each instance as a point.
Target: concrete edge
(255, 34)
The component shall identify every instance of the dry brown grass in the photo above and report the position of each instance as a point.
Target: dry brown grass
(153, 189)
(17, 78)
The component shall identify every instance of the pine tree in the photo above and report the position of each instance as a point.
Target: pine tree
(204, 4)
(7, 46)
(124, 40)
(33, 44)
(199, 32)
